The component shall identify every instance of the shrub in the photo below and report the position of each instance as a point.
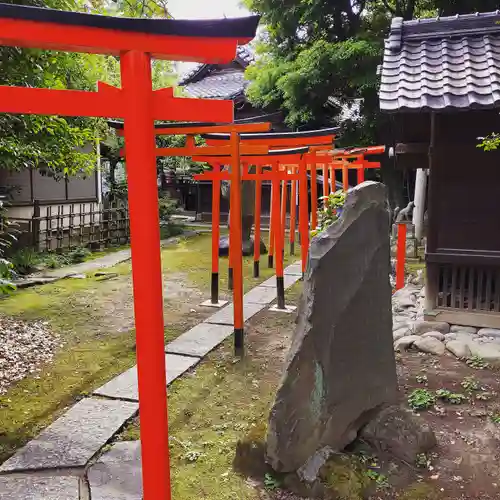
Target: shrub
(167, 207)
(7, 236)
(78, 255)
(421, 399)
(330, 212)
(24, 261)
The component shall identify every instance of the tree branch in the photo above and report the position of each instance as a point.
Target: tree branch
(389, 8)
(410, 10)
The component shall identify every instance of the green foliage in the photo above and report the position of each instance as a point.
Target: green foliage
(495, 418)
(421, 399)
(330, 212)
(490, 142)
(422, 461)
(7, 236)
(78, 255)
(318, 55)
(270, 482)
(24, 261)
(380, 480)
(477, 362)
(470, 384)
(166, 206)
(55, 143)
(450, 397)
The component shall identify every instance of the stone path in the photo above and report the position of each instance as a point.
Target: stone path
(63, 462)
(110, 260)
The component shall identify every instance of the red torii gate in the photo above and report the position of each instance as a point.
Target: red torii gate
(321, 139)
(135, 41)
(272, 161)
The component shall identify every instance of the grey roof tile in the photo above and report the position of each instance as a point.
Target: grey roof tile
(225, 85)
(441, 64)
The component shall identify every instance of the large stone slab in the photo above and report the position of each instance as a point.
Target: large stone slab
(288, 280)
(226, 316)
(125, 385)
(117, 474)
(294, 269)
(73, 439)
(32, 487)
(200, 340)
(261, 295)
(341, 363)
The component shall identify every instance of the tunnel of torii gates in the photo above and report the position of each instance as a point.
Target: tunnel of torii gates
(135, 42)
(279, 157)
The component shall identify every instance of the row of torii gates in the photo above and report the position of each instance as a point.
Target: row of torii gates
(279, 157)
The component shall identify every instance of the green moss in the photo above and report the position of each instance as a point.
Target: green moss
(36, 401)
(194, 257)
(344, 478)
(420, 491)
(221, 404)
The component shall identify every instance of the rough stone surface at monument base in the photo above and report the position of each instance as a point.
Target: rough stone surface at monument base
(341, 365)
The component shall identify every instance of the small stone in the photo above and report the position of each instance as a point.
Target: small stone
(463, 329)
(421, 327)
(458, 348)
(488, 332)
(405, 342)
(399, 334)
(435, 335)
(430, 345)
(400, 433)
(77, 276)
(488, 352)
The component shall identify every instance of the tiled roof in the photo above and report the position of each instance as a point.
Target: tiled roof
(442, 64)
(223, 85)
(244, 56)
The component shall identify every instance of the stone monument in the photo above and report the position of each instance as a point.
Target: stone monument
(341, 368)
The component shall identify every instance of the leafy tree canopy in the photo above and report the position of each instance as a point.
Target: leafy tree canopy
(317, 56)
(55, 142)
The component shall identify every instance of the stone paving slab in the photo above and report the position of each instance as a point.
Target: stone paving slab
(73, 439)
(124, 386)
(260, 295)
(288, 280)
(294, 269)
(117, 474)
(200, 340)
(39, 488)
(226, 316)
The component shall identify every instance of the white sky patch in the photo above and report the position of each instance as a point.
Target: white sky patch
(206, 9)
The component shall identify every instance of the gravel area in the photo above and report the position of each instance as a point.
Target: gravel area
(24, 348)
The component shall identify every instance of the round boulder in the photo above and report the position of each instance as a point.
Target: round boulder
(430, 345)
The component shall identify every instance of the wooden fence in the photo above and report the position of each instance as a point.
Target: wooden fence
(61, 227)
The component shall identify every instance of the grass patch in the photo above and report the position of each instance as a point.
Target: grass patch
(194, 257)
(218, 415)
(209, 412)
(94, 320)
(36, 401)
